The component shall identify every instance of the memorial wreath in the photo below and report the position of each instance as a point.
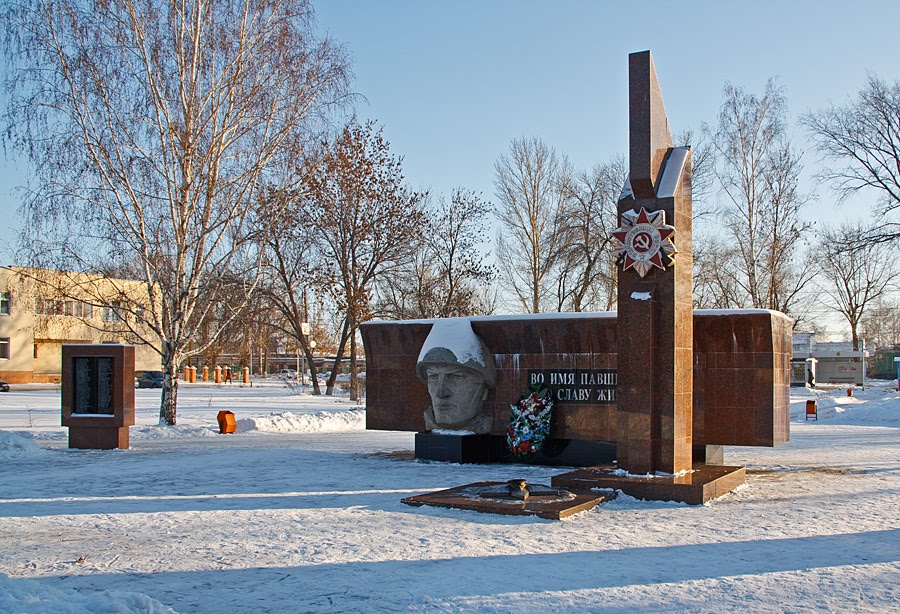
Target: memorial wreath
(529, 422)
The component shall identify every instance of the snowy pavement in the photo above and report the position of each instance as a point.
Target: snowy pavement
(300, 512)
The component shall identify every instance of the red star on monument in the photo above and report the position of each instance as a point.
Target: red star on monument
(644, 241)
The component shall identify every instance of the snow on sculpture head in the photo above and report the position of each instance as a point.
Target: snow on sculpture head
(459, 371)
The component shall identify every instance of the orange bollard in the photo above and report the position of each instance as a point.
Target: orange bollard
(218, 374)
(193, 375)
(205, 374)
(246, 375)
(227, 423)
(187, 373)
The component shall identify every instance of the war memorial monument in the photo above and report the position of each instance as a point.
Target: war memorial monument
(644, 399)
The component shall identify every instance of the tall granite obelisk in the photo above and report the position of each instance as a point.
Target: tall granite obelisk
(655, 316)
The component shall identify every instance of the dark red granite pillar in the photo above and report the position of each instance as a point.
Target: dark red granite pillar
(655, 321)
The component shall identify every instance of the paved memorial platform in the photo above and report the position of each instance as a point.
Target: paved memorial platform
(487, 497)
(701, 484)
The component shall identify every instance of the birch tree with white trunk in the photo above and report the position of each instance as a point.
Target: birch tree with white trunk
(531, 197)
(149, 126)
(758, 173)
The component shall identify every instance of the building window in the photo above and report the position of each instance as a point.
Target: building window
(78, 309)
(35, 350)
(112, 313)
(4, 348)
(5, 302)
(54, 307)
(48, 307)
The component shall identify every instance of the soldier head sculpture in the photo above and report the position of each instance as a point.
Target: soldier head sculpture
(459, 371)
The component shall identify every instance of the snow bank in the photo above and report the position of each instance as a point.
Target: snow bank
(320, 422)
(282, 422)
(875, 405)
(19, 445)
(37, 598)
(173, 432)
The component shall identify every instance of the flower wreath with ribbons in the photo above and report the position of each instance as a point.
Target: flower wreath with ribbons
(529, 422)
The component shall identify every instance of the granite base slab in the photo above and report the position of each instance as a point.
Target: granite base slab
(469, 497)
(704, 483)
(482, 449)
(454, 448)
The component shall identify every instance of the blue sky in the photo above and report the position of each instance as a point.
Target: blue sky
(453, 82)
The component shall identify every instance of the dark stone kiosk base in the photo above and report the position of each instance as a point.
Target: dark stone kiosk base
(704, 483)
(483, 449)
(103, 438)
(471, 497)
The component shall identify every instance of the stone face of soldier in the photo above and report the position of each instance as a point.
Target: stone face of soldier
(458, 371)
(457, 393)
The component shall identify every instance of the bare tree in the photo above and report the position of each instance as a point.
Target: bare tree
(703, 162)
(364, 220)
(789, 267)
(881, 322)
(288, 281)
(715, 286)
(529, 190)
(448, 275)
(862, 139)
(149, 126)
(585, 271)
(412, 291)
(460, 266)
(262, 322)
(857, 272)
(232, 317)
(758, 172)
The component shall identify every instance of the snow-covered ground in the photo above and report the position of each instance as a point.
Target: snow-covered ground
(300, 511)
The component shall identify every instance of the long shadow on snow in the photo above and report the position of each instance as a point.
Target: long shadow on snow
(345, 585)
(241, 479)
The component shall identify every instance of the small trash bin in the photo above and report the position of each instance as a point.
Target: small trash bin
(811, 411)
(227, 423)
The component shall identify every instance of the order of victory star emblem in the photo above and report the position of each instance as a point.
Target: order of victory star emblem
(644, 241)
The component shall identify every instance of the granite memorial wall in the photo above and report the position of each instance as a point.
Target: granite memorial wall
(740, 377)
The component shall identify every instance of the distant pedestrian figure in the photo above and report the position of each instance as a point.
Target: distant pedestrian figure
(227, 375)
